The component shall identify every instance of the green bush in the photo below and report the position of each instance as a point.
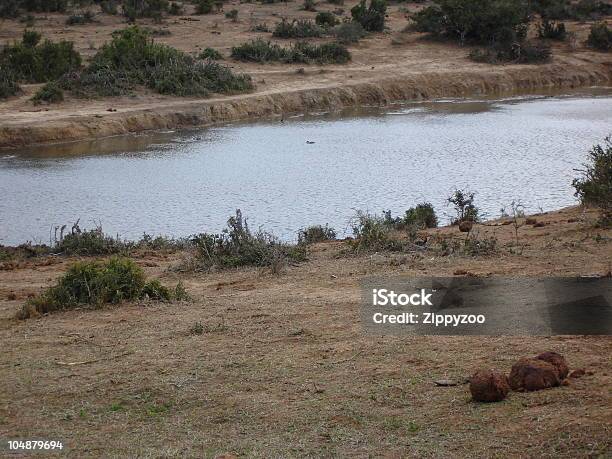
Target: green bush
(204, 6)
(8, 83)
(326, 19)
(132, 58)
(317, 233)
(373, 233)
(232, 14)
(78, 19)
(478, 21)
(594, 188)
(422, 216)
(264, 51)
(600, 37)
(9, 9)
(88, 242)
(371, 18)
(210, 53)
(238, 246)
(349, 32)
(35, 62)
(552, 30)
(96, 283)
(50, 93)
(109, 7)
(520, 53)
(309, 5)
(176, 9)
(463, 202)
(566, 9)
(133, 9)
(301, 28)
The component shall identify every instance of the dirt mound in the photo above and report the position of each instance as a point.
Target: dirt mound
(489, 386)
(533, 374)
(557, 361)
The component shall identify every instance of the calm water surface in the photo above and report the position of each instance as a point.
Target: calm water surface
(523, 149)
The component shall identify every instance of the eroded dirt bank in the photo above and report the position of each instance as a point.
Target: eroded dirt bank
(97, 121)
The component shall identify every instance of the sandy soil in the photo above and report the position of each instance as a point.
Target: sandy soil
(284, 369)
(391, 66)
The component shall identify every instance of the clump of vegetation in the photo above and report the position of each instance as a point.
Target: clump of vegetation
(132, 58)
(501, 25)
(520, 53)
(264, 51)
(552, 30)
(600, 37)
(309, 5)
(50, 93)
(232, 14)
(96, 283)
(567, 9)
(316, 233)
(88, 242)
(326, 19)
(109, 7)
(373, 233)
(237, 246)
(204, 6)
(210, 53)
(463, 202)
(372, 17)
(594, 188)
(8, 82)
(349, 32)
(133, 9)
(260, 28)
(300, 28)
(79, 19)
(34, 62)
(421, 216)
(13, 8)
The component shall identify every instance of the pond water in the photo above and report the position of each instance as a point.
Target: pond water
(316, 169)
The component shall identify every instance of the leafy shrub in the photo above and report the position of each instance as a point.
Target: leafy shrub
(326, 19)
(175, 9)
(260, 28)
(45, 6)
(349, 32)
(371, 18)
(204, 6)
(132, 58)
(552, 30)
(96, 283)
(210, 53)
(301, 28)
(309, 5)
(421, 216)
(520, 53)
(600, 37)
(109, 7)
(566, 9)
(35, 62)
(317, 233)
(594, 188)
(88, 242)
(133, 9)
(8, 83)
(463, 201)
(232, 14)
(373, 233)
(264, 51)
(238, 246)
(50, 93)
(9, 9)
(78, 19)
(478, 21)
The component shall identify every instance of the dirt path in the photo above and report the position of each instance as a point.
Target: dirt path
(284, 369)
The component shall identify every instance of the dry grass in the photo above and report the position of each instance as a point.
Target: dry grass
(282, 367)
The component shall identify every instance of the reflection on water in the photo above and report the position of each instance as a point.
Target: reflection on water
(178, 183)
